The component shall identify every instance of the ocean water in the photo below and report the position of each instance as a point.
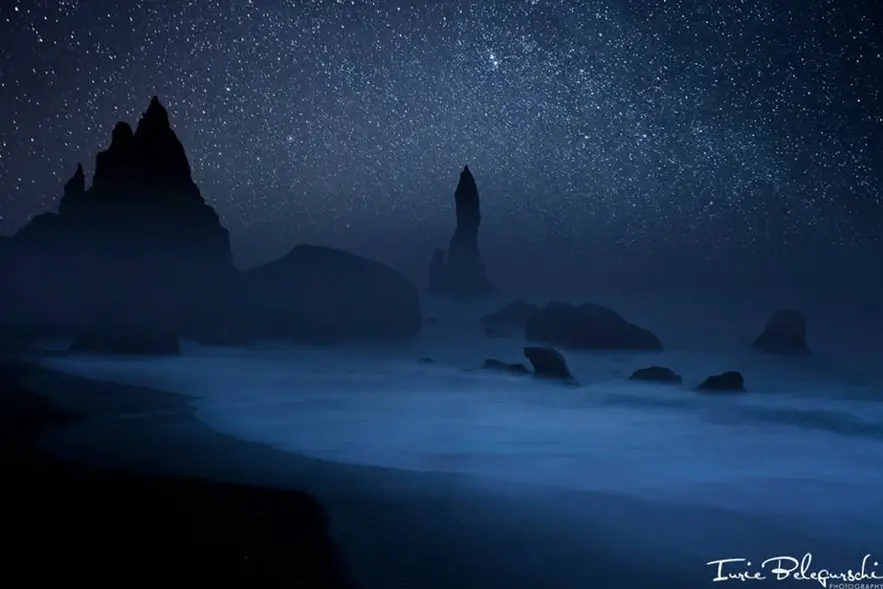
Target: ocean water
(801, 449)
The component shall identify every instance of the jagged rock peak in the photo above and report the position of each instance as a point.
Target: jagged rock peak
(467, 180)
(122, 135)
(160, 154)
(155, 115)
(112, 164)
(77, 183)
(466, 195)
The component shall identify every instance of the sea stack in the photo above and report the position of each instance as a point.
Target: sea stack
(136, 252)
(460, 271)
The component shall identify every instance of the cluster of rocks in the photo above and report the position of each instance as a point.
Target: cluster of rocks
(547, 363)
(730, 381)
(590, 326)
(139, 259)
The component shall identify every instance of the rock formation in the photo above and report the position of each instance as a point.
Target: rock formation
(500, 366)
(730, 381)
(323, 294)
(460, 271)
(587, 326)
(548, 363)
(784, 333)
(138, 251)
(510, 319)
(656, 374)
(138, 259)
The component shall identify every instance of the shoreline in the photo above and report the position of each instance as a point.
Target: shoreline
(393, 528)
(414, 529)
(70, 521)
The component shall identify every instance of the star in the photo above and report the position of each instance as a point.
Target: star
(614, 129)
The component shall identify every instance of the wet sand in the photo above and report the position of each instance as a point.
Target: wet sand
(73, 523)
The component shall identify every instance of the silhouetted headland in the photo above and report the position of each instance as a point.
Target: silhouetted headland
(139, 258)
(347, 297)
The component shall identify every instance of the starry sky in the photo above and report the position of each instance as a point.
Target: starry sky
(602, 133)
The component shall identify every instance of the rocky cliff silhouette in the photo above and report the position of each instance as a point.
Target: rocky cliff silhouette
(139, 259)
(321, 294)
(460, 271)
(138, 250)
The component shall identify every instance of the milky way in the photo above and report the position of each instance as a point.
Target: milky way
(630, 124)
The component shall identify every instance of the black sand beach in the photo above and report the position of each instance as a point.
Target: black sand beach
(87, 504)
(72, 523)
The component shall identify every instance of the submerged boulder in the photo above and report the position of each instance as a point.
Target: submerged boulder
(587, 326)
(326, 294)
(500, 366)
(784, 333)
(730, 381)
(548, 363)
(656, 374)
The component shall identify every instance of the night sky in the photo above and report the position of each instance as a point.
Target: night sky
(605, 133)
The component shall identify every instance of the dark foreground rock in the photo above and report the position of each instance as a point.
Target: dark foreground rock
(784, 333)
(321, 293)
(548, 363)
(730, 381)
(587, 326)
(656, 374)
(500, 366)
(70, 524)
(128, 343)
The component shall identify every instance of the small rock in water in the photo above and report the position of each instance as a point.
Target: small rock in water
(726, 381)
(499, 365)
(548, 363)
(656, 374)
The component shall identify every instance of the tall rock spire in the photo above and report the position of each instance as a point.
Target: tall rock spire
(462, 273)
(161, 154)
(466, 198)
